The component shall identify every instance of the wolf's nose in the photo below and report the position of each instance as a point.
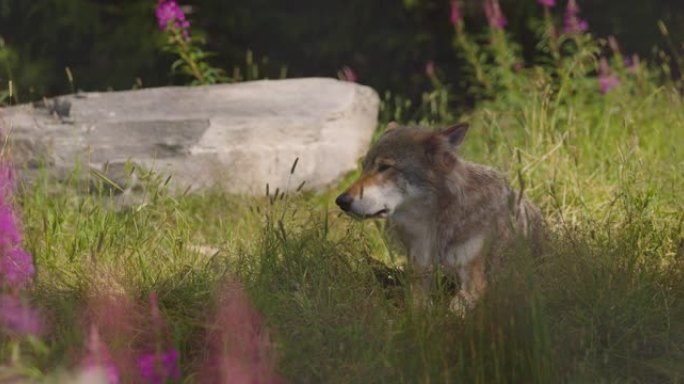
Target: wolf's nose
(344, 201)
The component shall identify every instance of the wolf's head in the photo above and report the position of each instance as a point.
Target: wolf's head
(406, 164)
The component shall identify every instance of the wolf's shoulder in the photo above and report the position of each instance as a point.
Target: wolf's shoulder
(482, 176)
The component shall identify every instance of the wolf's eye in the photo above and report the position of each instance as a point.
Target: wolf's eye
(382, 167)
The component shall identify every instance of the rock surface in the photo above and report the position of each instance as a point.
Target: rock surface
(237, 136)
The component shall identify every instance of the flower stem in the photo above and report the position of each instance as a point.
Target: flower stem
(184, 53)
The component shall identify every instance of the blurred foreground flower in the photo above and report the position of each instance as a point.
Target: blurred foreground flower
(162, 364)
(240, 347)
(16, 265)
(98, 362)
(547, 3)
(573, 24)
(112, 320)
(495, 16)
(606, 78)
(18, 318)
(158, 367)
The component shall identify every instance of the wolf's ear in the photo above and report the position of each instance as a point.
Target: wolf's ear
(391, 125)
(455, 133)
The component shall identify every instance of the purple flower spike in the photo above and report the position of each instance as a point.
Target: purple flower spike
(9, 233)
(573, 24)
(16, 265)
(157, 368)
(348, 74)
(18, 318)
(495, 16)
(547, 3)
(455, 15)
(606, 78)
(430, 68)
(98, 358)
(170, 15)
(632, 63)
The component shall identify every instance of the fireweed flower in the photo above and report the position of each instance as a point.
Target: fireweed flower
(495, 16)
(98, 359)
(9, 233)
(573, 24)
(16, 265)
(547, 3)
(154, 310)
(157, 368)
(348, 74)
(18, 318)
(632, 63)
(171, 16)
(606, 78)
(239, 344)
(112, 318)
(430, 68)
(455, 14)
(613, 44)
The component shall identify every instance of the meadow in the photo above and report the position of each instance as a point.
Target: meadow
(284, 288)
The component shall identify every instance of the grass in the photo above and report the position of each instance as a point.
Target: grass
(604, 303)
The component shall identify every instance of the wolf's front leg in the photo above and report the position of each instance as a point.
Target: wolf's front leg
(473, 286)
(421, 285)
(422, 271)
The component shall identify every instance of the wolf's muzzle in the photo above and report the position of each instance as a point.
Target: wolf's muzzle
(344, 201)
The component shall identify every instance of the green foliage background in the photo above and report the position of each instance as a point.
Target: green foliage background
(115, 44)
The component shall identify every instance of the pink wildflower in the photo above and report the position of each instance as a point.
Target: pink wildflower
(241, 350)
(347, 74)
(632, 63)
(171, 16)
(117, 320)
(613, 44)
(9, 233)
(606, 78)
(547, 3)
(495, 16)
(573, 24)
(154, 310)
(17, 268)
(430, 68)
(16, 265)
(157, 368)
(19, 318)
(98, 358)
(455, 14)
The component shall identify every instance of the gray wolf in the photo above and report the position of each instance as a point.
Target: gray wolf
(449, 213)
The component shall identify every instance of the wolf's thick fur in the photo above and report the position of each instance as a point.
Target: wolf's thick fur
(448, 212)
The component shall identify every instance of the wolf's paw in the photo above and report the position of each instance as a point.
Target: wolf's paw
(459, 305)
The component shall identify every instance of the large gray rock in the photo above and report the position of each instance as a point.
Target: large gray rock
(238, 136)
